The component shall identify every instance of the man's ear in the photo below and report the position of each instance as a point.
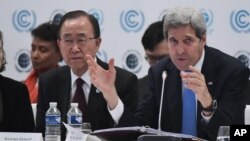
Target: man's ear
(203, 40)
(98, 43)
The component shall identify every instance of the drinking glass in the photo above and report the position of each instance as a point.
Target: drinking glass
(223, 133)
(86, 128)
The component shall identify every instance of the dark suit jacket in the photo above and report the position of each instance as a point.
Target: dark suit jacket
(143, 87)
(56, 86)
(247, 93)
(17, 115)
(226, 79)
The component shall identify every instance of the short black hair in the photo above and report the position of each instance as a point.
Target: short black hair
(80, 13)
(153, 35)
(47, 32)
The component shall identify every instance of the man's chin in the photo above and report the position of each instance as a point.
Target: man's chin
(182, 67)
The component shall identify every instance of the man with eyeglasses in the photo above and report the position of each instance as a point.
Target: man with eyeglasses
(78, 37)
(156, 48)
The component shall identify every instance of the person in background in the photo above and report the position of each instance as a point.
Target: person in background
(155, 46)
(45, 55)
(79, 39)
(15, 108)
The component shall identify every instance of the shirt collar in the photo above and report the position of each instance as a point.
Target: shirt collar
(84, 77)
(198, 65)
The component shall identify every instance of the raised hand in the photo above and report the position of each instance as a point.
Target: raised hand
(104, 80)
(195, 81)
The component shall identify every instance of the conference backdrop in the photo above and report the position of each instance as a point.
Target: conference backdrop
(122, 24)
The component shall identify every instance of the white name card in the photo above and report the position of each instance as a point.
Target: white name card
(13, 136)
(76, 136)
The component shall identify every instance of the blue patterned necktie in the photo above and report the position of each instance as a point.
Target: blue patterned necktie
(188, 112)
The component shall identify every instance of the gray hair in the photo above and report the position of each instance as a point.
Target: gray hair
(184, 16)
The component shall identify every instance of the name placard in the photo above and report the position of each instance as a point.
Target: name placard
(13, 136)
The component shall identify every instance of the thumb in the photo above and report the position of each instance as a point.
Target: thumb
(111, 64)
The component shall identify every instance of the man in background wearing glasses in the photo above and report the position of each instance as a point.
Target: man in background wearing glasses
(156, 48)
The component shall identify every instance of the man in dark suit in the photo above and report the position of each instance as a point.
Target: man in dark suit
(216, 79)
(15, 108)
(79, 36)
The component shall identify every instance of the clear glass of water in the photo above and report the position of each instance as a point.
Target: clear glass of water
(86, 128)
(223, 133)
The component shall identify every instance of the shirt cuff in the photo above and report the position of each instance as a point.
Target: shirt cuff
(116, 113)
(206, 118)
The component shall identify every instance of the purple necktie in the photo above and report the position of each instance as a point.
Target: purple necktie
(79, 98)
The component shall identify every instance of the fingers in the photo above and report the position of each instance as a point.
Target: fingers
(91, 62)
(193, 79)
(112, 65)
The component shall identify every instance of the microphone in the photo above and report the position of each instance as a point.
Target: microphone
(164, 76)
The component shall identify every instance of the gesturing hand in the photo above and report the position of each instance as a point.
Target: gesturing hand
(104, 80)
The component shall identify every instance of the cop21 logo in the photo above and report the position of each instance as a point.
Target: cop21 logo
(132, 20)
(244, 57)
(240, 21)
(132, 61)
(98, 14)
(57, 15)
(23, 61)
(24, 20)
(208, 17)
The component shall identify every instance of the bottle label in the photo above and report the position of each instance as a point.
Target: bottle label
(75, 119)
(53, 120)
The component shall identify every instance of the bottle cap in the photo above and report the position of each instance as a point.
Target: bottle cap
(74, 104)
(53, 104)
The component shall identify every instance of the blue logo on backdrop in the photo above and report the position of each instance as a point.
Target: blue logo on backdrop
(98, 14)
(57, 15)
(132, 20)
(132, 61)
(24, 20)
(244, 57)
(101, 54)
(23, 61)
(208, 17)
(240, 21)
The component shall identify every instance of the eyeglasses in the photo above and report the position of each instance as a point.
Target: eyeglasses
(79, 41)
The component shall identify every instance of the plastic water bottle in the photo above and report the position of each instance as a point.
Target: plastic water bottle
(53, 123)
(74, 116)
(247, 115)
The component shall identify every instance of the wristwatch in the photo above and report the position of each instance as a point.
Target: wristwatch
(212, 107)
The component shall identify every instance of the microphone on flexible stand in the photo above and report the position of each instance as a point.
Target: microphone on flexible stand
(164, 76)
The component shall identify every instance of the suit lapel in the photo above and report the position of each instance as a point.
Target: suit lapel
(96, 100)
(64, 91)
(174, 97)
(209, 71)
